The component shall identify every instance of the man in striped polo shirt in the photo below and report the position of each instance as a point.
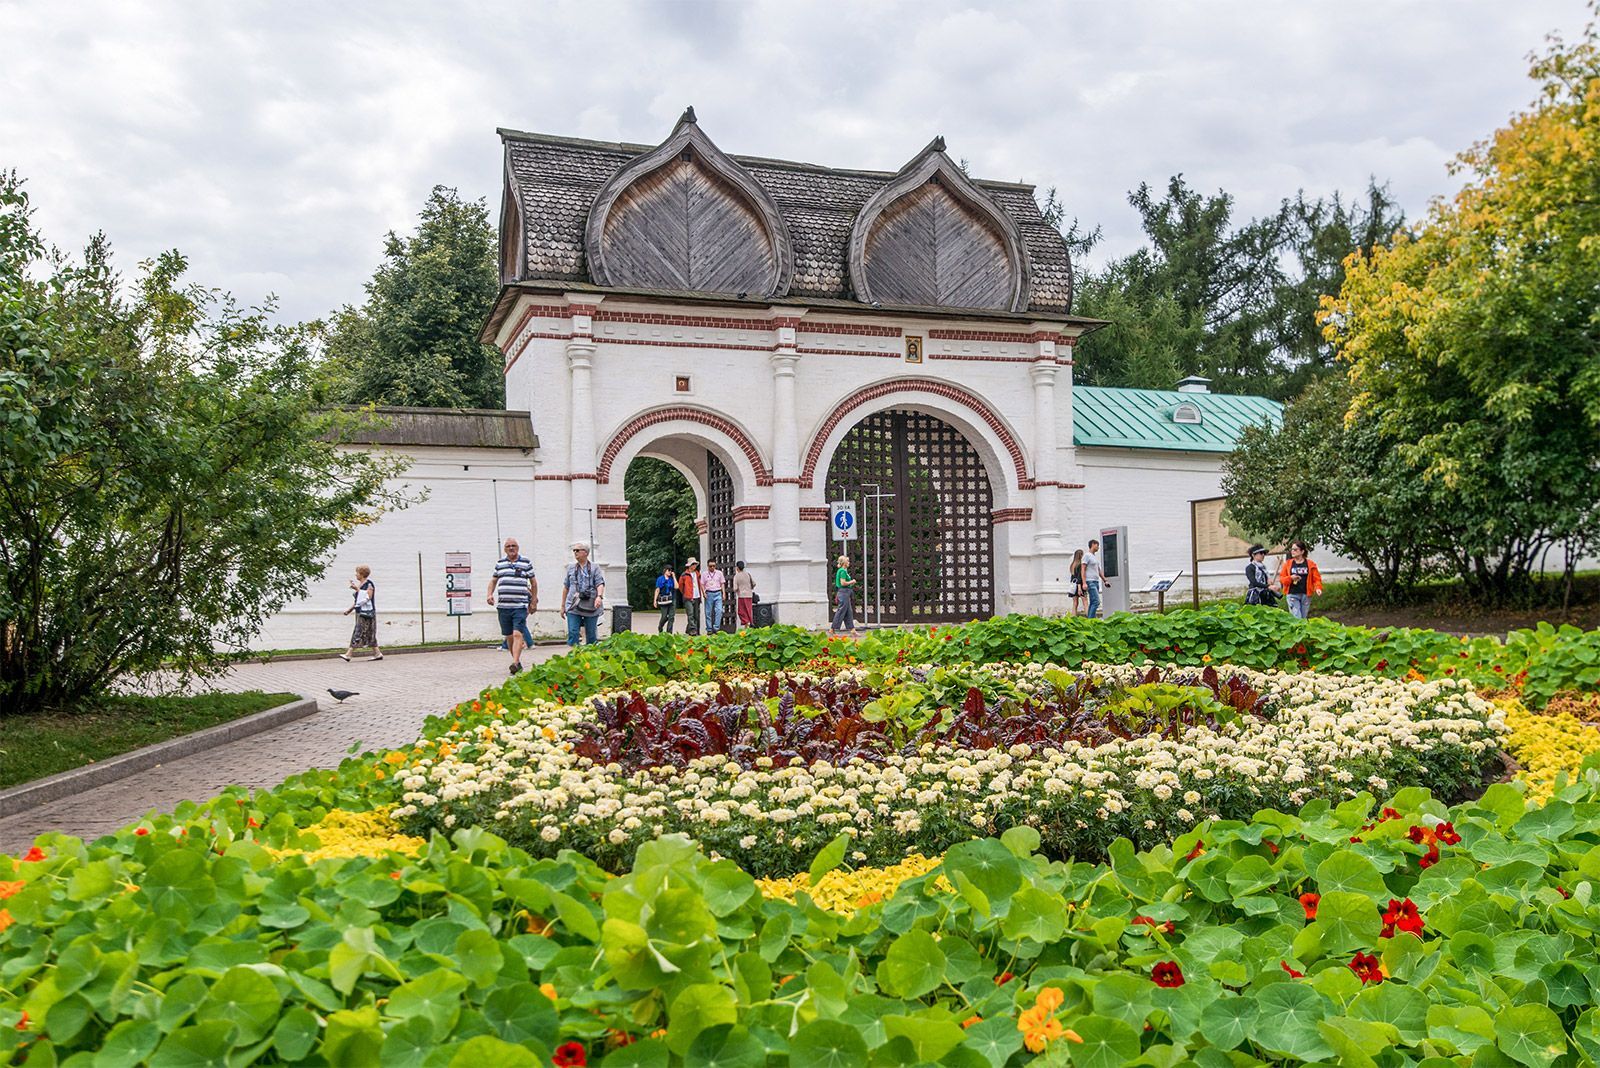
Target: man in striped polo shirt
(514, 592)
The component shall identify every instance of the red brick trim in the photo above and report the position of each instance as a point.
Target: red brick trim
(786, 482)
(751, 511)
(998, 335)
(708, 322)
(982, 359)
(911, 385)
(552, 478)
(693, 415)
(847, 352)
(1031, 484)
(611, 511)
(1011, 515)
(861, 329)
(603, 339)
(813, 515)
(701, 526)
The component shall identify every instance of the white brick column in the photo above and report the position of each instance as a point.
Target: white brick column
(1048, 546)
(789, 561)
(583, 452)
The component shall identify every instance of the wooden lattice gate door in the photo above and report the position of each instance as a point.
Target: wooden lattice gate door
(719, 513)
(936, 533)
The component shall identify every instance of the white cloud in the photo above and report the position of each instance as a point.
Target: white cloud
(276, 143)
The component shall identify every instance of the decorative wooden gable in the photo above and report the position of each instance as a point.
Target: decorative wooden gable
(932, 238)
(686, 217)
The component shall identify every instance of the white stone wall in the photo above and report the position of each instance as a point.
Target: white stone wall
(1148, 491)
(473, 497)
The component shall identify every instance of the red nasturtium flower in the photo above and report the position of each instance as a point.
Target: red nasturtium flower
(570, 1055)
(1199, 847)
(33, 855)
(1367, 968)
(22, 1024)
(1003, 978)
(1293, 974)
(1402, 915)
(1308, 902)
(142, 831)
(1446, 833)
(1167, 974)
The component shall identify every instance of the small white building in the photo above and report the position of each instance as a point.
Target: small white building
(786, 335)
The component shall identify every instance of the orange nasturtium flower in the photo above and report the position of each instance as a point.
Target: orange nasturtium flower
(11, 889)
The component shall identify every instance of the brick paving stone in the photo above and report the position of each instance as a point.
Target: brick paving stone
(394, 698)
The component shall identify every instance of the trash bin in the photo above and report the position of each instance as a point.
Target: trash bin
(621, 618)
(766, 614)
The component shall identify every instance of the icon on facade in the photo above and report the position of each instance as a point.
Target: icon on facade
(913, 348)
(681, 383)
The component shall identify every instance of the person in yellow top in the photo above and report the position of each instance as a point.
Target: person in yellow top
(1299, 579)
(844, 616)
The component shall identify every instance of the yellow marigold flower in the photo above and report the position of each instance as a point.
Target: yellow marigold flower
(355, 834)
(846, 891)
(395, 759)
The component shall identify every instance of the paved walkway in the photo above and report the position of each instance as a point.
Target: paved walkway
(394, 698)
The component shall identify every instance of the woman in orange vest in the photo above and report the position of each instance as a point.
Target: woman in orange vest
(1299, 579)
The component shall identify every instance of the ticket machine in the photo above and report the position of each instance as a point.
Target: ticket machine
(1114, 561)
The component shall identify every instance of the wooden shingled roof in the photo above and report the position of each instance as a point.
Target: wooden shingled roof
(555, 182)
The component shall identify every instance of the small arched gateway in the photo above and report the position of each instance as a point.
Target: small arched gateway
(786, 334)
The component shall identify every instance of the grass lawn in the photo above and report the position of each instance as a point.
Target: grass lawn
(34, 746)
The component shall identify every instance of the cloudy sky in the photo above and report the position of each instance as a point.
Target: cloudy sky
(275, 143)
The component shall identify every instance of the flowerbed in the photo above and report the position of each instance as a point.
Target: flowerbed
(1355, 933)
(763, 770)
(298, 925)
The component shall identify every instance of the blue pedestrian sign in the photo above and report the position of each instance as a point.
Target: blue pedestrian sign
(842, 519)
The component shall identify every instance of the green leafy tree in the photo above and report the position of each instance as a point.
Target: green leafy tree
(1474, 340)
(1337, 484)
(169, 479)
(415, 340)
(1234, 301)
(661, 515)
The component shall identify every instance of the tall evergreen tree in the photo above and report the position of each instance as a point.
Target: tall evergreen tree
(415, 340)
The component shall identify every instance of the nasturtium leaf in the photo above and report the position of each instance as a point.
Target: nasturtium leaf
(829, 1044)
(1209, 877)
(913, 966)
(1251, 875)
(195, 1046)
(1466, 1027)
(727, 888)
(990, 866)
(726, 1046)
(1403, 1007)
(1036, 914)
(1586, 1033)
(1346, 922)
(130, 1042)
(697, 1007)
(971, 894)
(1107, 1043)
(296, 1033)
(435, 996)
(1567, 983)
(996, 1037)
(576, 917)
(1286, 1021)
(962, 961)
(774, 937)
(66, 1018)
(828, 858)
(1124, 997)
(1530, 1035)
(1130, 872)
(1022, 840)
(180, 1000)
(408, 1043)
(481, 1050)
(1352, 1039)
(177, 884)
(519, 1012)
(284, 915)
(1472, 952)
(246, 999)
(1348, 871)
(930, 1038)
(477, 955)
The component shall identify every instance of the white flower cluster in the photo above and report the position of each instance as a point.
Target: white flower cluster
(1325, 736)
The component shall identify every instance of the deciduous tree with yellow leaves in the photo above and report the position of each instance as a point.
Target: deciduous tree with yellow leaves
(1473, 339)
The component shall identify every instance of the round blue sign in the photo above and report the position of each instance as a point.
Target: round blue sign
(843, 520)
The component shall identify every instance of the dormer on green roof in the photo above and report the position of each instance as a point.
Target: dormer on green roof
(1106, 417)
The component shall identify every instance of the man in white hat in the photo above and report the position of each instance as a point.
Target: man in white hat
(693, 588)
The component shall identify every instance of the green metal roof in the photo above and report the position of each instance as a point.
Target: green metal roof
(1142, 418)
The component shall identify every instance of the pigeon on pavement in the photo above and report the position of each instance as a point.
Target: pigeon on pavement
(340, 695)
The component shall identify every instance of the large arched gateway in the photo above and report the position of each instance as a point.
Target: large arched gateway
(926, 546)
